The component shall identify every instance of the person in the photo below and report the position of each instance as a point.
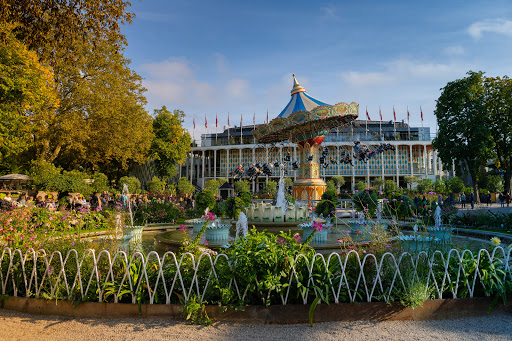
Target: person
(462, 199)
(8, 197)
(502, 200)
(39, 201)
(30, 202)
(416, 201)
(488, 198)
(507, 198)
(21, 200)
(472, 200)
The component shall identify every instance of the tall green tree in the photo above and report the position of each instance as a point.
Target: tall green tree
(499, 106)
(171, 143)
(26, 86)
(464, 135)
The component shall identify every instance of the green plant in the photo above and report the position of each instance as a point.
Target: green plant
(365, 201)
(156, 185)
(390, 186)
(325, 208)
(331, 186)
(205, 199)
(132, 182)
(329, 195)
(195, 311)
(242, 186)
(415, 294)
(270, 188)
(360, 186)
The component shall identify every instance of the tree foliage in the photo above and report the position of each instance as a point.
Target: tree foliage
(464, 127)
(171, 143)
(132, 182)
(184, 187)
(26, 87)
(499, 106)
(242, 186)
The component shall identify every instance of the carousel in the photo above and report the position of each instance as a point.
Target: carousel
(305, 121)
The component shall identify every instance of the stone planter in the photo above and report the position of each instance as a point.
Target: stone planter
(319, 237)
(216, 233)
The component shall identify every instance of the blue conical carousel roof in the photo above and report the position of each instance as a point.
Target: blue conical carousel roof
(300, 101)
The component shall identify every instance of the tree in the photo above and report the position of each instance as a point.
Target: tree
(378, 182)
(455, 184)
(156, 185)
(464, 127)
(409, 180)
(390, 186)
(242, 186)
(339, 181)
(440, 186)
(25, 86)
(132, 182)
(184, 187)
(425, 185)
(494, 183)
(499, 106)
(205, 199)
(101, 119)
(270, 188)
(212, 185)
(331, 186)
(288, 182)
(171, 143)
(360, 186)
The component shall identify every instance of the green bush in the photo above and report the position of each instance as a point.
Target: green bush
(235, 205)
(184, 187)
(325, 208)
(390, 186)
(494, 183)
(242, 186)
(365, 200)
(330, 194)
(205, 199)
(156, 185)
(100, 182)
(220, 208)
(360, 186)
(132, 182)
(270, 188)
(455, 184)
(212, 185)
(331, 186)
(246, 198)
(425, 185)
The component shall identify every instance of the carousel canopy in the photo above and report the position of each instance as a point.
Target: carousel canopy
(21, 177)
(305, 118)
(300, 101)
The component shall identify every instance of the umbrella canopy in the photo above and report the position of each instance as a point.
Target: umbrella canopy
(21, 177)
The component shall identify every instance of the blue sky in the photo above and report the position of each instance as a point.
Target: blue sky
(215, 57)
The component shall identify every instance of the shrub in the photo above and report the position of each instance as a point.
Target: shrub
(331, 186)
(494, 183)
(325, 208)
(425, 185)
(455, 184)
(390, 186)
(234, 206)
(330, 194)
(205, 199)
(184, 187)
(270, 188)
(242, 186)
(100, 182)
(132, 182)
(220, 208)
(212, 185)
(365, 200)
(156, 185)
(360, 186)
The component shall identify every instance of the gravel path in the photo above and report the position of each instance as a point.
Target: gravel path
(20, 326)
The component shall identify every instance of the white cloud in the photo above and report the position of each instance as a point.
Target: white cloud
(501, 26)
(400, 70)
(237, 88)
(329, 12)
(455, 50)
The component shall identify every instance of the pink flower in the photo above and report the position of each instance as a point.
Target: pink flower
(209, 216)
(280, 241)
(183, 228)
(317, 226)
(297, 237)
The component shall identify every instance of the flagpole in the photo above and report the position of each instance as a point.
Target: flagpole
(241, 133)
(366, 130)
(229, 140)
(422, 131)
(215, 129)
(380, 124)
(394, 122)
(409, 122)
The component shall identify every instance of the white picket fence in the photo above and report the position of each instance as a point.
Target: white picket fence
(32, 273)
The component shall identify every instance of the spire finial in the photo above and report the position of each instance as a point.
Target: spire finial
(296, 86)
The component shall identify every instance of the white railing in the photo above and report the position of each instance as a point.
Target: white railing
(351, 278)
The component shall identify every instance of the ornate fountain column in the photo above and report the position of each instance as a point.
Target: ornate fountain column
(309, 185)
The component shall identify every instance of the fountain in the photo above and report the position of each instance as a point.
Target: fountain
(130, 233)
(440, 232)
(216, 229)
(241, 226)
